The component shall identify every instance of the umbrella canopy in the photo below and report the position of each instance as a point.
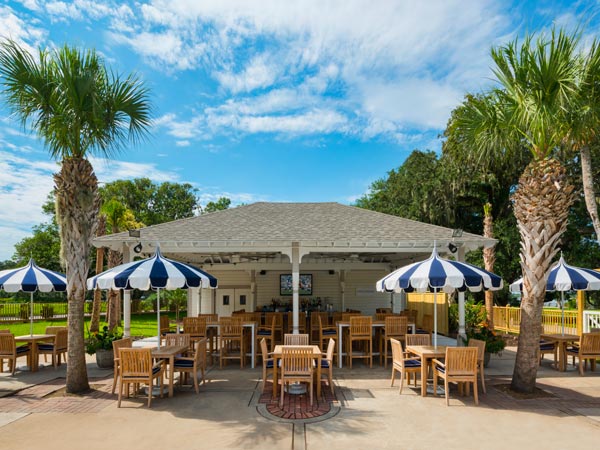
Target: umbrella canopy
(32, 278)
(439, 274)
(563, 277)
(156, 272)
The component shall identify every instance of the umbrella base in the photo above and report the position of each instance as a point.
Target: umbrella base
(296, 388)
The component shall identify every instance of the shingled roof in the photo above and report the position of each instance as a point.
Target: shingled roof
(320, 224)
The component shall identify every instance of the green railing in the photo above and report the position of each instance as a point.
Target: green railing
(508, 320)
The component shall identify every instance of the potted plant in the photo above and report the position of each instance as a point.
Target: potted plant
(100, 344)
(493, 342)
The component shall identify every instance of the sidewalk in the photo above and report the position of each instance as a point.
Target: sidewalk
(371, 415)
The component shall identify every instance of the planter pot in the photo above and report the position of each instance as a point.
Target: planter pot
(105, 359)
(486, 359)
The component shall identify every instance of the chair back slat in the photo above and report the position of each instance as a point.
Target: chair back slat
(330, 350)
(60, 339)
(296, 360)
(7, 344)
(480, 345)
(396, 325)
(347, 315)
(178, 339)
(590, 344)
(278, 319)
(210, 317)
(461, 360)
(54, 329)
(230, 326)
(418, 339)
(296, 339)
(361, 326)
(195, 326)
(427, 322)
(397, 355)
(135, 362)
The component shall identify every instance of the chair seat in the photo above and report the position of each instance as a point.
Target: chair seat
(409, 363)
(329, 332)
(422, 332)
(264, 333)
(547, 346)
(270, 364)
(45, 346)
(183, 363)
(573, 350)
(324, 364)
(23, 349)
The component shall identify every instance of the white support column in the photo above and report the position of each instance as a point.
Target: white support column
(295, 286)
(253, 290)
(206, 301)
(343, 288)
(194, 302)
(462, 333)
(127, 257)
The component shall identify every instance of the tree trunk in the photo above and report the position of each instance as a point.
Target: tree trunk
(95, 320)
(587, 179)
(489, 258)
(114, 297)
(541, 207)
(76, 207)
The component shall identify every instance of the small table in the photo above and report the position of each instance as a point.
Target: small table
(33, 339)
(169, 352)
(427, 353)
(317, 355)
(374, 325)
(561, 340)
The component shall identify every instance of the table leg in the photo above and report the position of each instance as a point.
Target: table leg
(562, 356)
(253, 342)
(275, 365)
(318, 378)
(424, 376)
(171, 372)
(340, 346)
(34, 357)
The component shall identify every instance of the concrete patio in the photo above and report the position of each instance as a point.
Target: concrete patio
(368, 414)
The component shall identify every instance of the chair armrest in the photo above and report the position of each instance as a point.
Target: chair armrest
(437, 362)
(184, 358)
(160, 364)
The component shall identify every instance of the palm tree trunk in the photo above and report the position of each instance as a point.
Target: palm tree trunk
(76, 207)
(541, 206)
(95, 320)
(489, 258)
(587, 179)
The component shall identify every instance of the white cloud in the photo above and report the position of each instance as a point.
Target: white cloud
(258, 73)
(111, 170)
(185, 143)
(27, 34)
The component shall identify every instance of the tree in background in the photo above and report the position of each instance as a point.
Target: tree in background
(77, 107)
(221, 204)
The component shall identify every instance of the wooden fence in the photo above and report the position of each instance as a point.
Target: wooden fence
(508, 320)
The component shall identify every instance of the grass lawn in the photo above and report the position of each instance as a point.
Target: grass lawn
(141, 324)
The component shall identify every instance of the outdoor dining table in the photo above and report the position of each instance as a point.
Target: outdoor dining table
(426, 353)
(252, 326)
(34, 339)
(375, 324)
(277, 352)
(561, 340)
(169, 353)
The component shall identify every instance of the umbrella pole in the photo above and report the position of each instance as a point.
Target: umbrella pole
(31, 314)
(562, 310)
(435, 318)
(158, 315)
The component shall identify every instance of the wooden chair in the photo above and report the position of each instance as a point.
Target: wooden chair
(195, 327)
(346, 316)
(327, 332)
(278, 323)
(418, 339)
(296, 339)
(588, 349)
(315, 318)
(480, 359)
(179, 339)
(192, 364)
(56, 348)
(231, 335)
(460, 366)
(395, 328)
(210, 317)
(10, 351)
(267, 332)
(54, 329)
(426, 325)
(117, 346)
(327, 364)
(268, 362)
(361, 332)
(137, 368)
(165, 325)
(547, 347)
(406, 366)
(297, 366)
(212, 334)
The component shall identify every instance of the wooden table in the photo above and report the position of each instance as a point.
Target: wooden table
(561, 340)
(427, 353)
(34, 339)
(317, 355)
(169, 352)
(374, 325)
(252, 326)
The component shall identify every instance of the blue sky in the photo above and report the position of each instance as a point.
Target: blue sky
(267, 100)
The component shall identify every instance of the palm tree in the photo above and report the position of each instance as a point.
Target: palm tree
(537, 82)
(78, 108)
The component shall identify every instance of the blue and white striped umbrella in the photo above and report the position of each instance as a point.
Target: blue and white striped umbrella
(563, 277)
(156, 272)
(32, 278)
(439, 274)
